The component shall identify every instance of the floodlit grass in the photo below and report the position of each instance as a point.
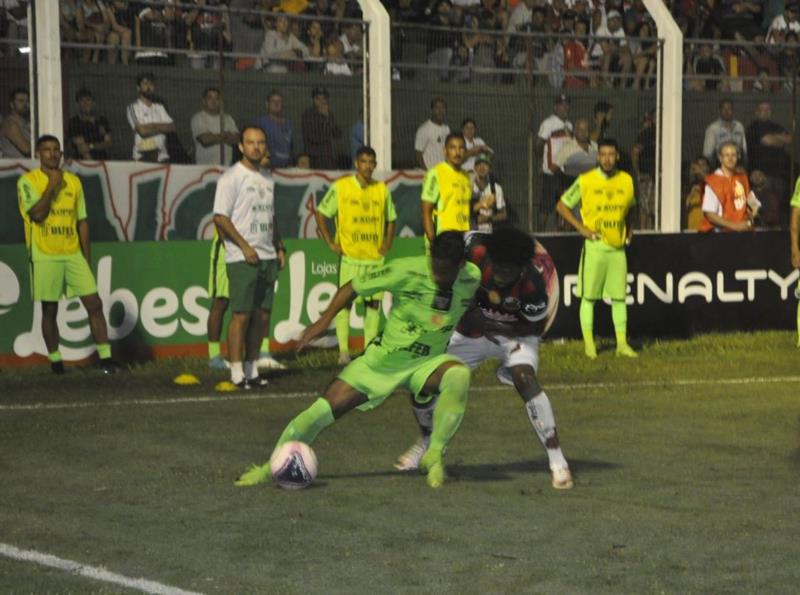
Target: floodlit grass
(686, 481)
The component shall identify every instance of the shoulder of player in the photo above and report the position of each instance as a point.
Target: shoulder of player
(71, 178)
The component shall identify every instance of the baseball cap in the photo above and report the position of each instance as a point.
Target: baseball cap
(319, 91)
(793, 6)
(483, 158)
(562, 99)
(612, 14)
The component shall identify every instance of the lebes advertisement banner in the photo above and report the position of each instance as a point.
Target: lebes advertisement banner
(156, 300)
(128, 201)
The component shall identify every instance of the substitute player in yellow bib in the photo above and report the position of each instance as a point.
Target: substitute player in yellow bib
(606, 197)
(447, 192)
(53, 210)
(364, 213)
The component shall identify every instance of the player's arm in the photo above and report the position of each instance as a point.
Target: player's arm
(720, 221)
(83, 236)
(629, 221)
(430, 196)
(226, 225)
(341, 300)
(564, 207)
(326, 209)
(388, 238)
(794, 231)
(41, 209)
(277, 243)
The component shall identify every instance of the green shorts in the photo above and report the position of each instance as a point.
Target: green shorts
(603, 272)
(50, 278)
(378, 382)
(350, 268)
(252, 286)
(217, 272)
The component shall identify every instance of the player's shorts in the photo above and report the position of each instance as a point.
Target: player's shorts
(378, 382)
(519, 351)
(69, 275)
(252, 287)
(603, 272)
(217, 272)
(350, 268)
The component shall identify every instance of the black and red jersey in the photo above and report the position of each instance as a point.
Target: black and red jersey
(533, 298)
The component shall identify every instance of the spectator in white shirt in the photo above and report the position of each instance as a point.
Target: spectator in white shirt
(783, 23)
(475, 145)
(488, 203)
(430, 137)
(209, 142)
(335, 62)
(150, 123)
(614, 54)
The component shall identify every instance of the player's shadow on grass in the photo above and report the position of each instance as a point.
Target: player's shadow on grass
(490, 471)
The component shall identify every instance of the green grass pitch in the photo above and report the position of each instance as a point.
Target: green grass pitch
(686, 465)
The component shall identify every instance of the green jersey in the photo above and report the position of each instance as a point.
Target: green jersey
(423, 316)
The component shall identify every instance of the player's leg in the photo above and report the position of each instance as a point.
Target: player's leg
(451, 381)
(471, 351)
(339, 398)
(591, 274)
(51, 337)
(216, 315)
(243, 285)
(616, 289)
(47, 286)
(372, 320)
(347, 271)
(797, 295)
(256, 330)
(219, 292)
(265, 359)
(80, 282)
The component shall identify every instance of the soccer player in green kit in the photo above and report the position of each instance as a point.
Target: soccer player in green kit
(606, 197)
(430, 295)
(794, 230)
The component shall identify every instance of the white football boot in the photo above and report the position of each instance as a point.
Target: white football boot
(561, 478)
(409, 460)
(266, 361)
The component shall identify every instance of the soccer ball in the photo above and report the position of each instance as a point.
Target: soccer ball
(293, 465)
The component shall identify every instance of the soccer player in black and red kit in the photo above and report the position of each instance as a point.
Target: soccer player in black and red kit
(514, 306)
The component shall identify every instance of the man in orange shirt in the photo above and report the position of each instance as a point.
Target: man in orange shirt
(728, 202)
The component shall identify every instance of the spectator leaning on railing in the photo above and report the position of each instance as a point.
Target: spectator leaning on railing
(728, 202)
(150, 122)
(320, 131)
(15, 130)
(430, 137)
(278, 128)
(722, 130)
(207, 133)
(280, 48)
(87, 131)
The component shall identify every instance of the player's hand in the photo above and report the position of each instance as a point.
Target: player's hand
(383, 250)
(55, 177)
(281, 254)
(743, 226)
(250, 255)
(588, 233)
(629, 239)
(311, 333)
(335, 248)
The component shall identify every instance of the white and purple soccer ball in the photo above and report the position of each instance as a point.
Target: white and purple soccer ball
(293, 465)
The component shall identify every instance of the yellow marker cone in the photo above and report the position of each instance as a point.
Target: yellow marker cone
(186, 380)
(226, 386)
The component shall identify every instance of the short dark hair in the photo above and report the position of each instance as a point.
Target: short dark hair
(246, 128)
(608, 142)
(602, 107)
(510, 246)
(723, 101)
(273, 93)
(208, 90)
(46, 138)
(18, 91)
(466, 121)
(453, 135)
(449, 247)
(438, 99)
(83, 92)
(145, 76)
(366, 150)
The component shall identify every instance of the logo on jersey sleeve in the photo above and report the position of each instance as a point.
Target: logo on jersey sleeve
(534, 311)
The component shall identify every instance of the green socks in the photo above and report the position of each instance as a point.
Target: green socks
(450, 407)
(306, 426)
(104, 350)
(54, 357)
(586, 314)
(372, 320)
(798, 324)
(265, 345)
(343, 330)
(213, 349)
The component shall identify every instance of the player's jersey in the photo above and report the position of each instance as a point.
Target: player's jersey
(361, 216)
(450, 190)
(605, 202)
(57, 235)
(534, 298)
(423, 317)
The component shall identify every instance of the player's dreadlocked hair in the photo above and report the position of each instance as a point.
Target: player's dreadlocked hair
(449, 246)
(510, 246)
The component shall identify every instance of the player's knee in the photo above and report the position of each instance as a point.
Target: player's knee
(372, 304)
(456, 379)
(92, 304)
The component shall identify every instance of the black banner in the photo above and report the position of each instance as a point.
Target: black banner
(682, 284)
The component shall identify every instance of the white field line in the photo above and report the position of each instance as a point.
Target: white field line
(257, 396)
(92, 572)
